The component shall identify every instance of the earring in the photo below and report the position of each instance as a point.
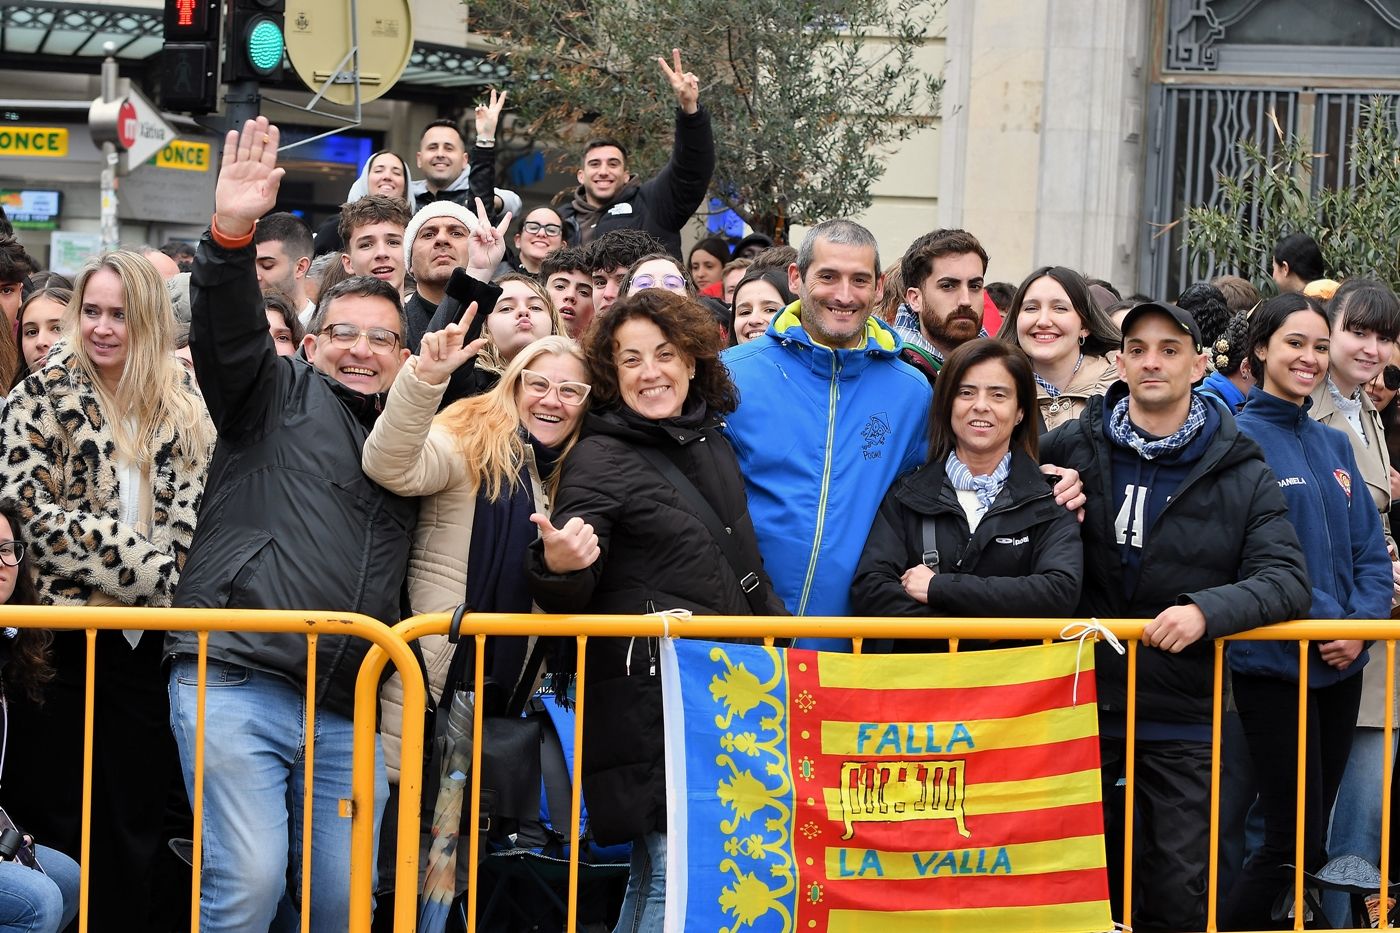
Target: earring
(1081, 339)
(692, 374)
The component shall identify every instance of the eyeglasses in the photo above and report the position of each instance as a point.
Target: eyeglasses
(538, 385)
(11, 553)
(346, 336)
(669, 282)
(1391, 377)
(534, 226)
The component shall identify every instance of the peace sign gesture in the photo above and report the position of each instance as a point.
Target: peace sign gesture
(684, 84)
(487, 245)
(488, 115)
(248, 177)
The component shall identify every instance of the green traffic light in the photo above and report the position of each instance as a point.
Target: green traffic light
(265, 46)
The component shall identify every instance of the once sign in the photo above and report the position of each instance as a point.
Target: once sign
(34, 141)
(187, 156)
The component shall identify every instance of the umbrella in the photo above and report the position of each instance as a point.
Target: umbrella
(440, 867)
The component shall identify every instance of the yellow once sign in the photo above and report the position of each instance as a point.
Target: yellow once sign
(34, 141)
(191, 157)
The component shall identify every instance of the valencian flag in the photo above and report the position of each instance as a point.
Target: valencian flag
(835, 792)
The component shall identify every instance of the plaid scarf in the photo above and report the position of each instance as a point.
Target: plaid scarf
(1125, 435)
(1053, 390)
(987, 488)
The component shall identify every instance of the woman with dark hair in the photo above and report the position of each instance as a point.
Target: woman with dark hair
(1297, 261)
(39, 324)
(1072, 345)
(651, 516)
(759, 297)
(30, 901)
(1340, 530)
(706, 261)
(975, 531)
(1206, 304)
(1231, 378)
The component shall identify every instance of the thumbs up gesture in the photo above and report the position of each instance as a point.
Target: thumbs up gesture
(573, 547)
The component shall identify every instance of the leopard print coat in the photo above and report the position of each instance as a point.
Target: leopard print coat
(59, 465)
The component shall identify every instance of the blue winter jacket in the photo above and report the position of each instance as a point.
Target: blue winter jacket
(821, 435)
(1337, 524)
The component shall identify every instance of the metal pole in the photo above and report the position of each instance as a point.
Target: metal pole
(242, 102)
(110, 234)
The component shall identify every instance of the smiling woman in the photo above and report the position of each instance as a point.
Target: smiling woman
(975, 531)
(651, 515)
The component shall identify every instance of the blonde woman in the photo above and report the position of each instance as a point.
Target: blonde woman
(482, 467)
(106, 451)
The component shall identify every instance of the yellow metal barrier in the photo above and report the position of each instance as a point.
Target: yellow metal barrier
(583, 627)
(392, 645)
(360, 807)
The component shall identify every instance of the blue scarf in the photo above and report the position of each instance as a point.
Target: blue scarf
(1049, 388)
(1125, 435)
(987, 488)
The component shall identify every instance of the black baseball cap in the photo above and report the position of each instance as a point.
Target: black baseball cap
(1182, 317)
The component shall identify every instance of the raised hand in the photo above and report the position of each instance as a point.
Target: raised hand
(248, 177)
(488, 115)
(442, 352)
(573, 547)
(684, 84)
(487, 245)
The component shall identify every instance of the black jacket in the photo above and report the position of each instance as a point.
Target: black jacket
(1223, 542)
(656, 554)
(1024, 559)
(289, 520)
(661, 205)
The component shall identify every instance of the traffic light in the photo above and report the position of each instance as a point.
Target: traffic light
(189, 60)
(255, 41)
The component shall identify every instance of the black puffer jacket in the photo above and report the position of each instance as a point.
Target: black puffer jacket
(1223, 542)
(1024, 559)
(656, 554)
(662, 204)
(289, 520)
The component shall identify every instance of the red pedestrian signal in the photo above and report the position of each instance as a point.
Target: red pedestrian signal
(189, 79)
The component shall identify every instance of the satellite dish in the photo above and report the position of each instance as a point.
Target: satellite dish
(319, 38)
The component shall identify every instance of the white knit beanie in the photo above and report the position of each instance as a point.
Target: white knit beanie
(437, 209)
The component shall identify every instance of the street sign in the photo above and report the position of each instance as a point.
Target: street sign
(318, 39)
(143, 125)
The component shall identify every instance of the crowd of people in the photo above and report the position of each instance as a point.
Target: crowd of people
(421, 405)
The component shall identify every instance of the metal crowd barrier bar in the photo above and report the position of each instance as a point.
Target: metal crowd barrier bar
(1129, 631)
(359, 808)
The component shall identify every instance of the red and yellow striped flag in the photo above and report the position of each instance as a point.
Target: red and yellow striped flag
(835, 792)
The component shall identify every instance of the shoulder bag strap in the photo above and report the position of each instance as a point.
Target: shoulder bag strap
(749, 581)
(526, 685)
(929, 530)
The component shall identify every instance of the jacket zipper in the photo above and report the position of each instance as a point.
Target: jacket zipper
(826, 483)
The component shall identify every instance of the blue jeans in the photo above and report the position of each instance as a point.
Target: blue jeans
(35, 902)
(254, 782)
(1356, 818)
(644, 904)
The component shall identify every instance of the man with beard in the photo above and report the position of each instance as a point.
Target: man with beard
(446, 173)
(611, 198)
(284, 247)
(943, 272)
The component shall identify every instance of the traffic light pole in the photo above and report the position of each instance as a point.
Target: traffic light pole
(108, 207)
(242, 102)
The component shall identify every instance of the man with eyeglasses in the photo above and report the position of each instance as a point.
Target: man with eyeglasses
(611, 198)
(289, 521)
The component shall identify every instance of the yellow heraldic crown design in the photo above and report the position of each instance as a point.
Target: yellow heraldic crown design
(757, 835)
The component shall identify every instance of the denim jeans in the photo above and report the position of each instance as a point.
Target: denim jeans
(254, 782)
(1356, 818)
(644, 904)
(39, 902)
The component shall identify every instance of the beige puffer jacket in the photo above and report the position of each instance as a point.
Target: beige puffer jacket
(407, 455)
(1093, 378)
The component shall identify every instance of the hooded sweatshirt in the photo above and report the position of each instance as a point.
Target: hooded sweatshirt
(459, 192)
(327, 238)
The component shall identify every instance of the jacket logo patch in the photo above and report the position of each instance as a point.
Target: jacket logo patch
(1014, 542)
(1344, 478)
(623, 208)
(875, 432)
